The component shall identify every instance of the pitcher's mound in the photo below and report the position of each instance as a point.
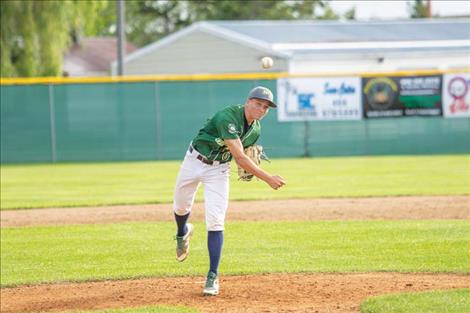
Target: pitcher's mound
(251, 293)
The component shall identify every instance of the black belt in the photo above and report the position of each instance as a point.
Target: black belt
(203, 159)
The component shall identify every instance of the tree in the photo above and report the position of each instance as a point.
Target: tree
(251, 10)
(148, 21)
(419, 9)
(350, 14)
(35, 34)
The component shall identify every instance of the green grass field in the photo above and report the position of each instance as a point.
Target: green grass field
(115, 251)
(455, 301)
(132, 250)
(60, 185)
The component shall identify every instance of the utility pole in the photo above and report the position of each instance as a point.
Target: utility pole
(121, 39)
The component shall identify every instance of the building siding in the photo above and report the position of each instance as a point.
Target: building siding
(201, 52)
(372, 62)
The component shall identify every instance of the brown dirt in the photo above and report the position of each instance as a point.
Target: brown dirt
(341, 293)
(382, 208)
(251, 293)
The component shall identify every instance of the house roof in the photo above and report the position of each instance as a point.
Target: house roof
(350, 31)
(95, 54)
(285, 38)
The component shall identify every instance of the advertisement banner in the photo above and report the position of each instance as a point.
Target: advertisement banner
(330, 98)
(456, 95)
(402, 96)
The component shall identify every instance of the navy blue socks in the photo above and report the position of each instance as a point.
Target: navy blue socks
(181, 222)
(215, 240)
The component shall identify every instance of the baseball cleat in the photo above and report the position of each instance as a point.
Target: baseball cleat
(211, 288)
(182, 243)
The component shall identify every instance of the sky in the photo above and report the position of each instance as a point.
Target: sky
(380, 9)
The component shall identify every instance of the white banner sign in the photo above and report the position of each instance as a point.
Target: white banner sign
(456, 95)
(329, 98)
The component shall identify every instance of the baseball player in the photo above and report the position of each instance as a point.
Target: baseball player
(223, 137)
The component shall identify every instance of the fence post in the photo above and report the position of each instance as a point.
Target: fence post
(158, 121)
(52, 123)
(306, 138)
(121, 35)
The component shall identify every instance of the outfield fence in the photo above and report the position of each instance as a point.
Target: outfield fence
(155, 117)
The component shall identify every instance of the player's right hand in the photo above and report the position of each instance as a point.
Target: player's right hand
(276, 182)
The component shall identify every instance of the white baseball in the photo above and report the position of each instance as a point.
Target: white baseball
(266, 62)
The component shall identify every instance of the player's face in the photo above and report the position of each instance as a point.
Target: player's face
(257, 108)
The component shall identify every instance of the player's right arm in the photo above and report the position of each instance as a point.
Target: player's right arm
(236, 149)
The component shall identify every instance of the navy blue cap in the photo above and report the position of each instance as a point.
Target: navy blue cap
(264, 94)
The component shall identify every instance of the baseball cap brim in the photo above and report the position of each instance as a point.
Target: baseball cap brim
(271, 104)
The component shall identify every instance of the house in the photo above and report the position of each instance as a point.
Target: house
(307, 47)
(92, 56)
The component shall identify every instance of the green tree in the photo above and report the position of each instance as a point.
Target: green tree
(35, 34)
(350, 14)
(148, 21)
(252, 10)
(419, 9)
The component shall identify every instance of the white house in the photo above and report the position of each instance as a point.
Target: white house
(307, 47)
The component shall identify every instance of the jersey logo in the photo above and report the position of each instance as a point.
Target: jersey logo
(232, 129)
(225, 156)
(220, 142)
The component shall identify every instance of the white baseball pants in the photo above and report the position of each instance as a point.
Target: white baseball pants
(215, 179)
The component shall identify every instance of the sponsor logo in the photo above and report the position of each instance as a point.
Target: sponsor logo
(381, 93)
(343, 89)
(458, 89)
(304, 101)
(419, 86)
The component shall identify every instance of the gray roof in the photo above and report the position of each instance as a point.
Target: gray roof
(283, 38)
(350, 31)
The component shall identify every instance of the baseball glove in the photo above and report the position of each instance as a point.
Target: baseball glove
(256, 154)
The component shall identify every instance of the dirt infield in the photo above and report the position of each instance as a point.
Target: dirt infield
(252, 293)
(379, 208)
(261, 293)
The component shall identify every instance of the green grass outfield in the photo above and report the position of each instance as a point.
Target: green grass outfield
(454, 301)
(89, 184)
(131, 250)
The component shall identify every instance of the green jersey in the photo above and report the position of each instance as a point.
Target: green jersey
(228, 123)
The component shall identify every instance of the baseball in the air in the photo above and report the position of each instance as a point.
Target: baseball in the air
(266, 62)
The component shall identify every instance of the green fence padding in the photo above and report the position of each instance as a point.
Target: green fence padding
(25, 124)
(156, 121)
(105, 122)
